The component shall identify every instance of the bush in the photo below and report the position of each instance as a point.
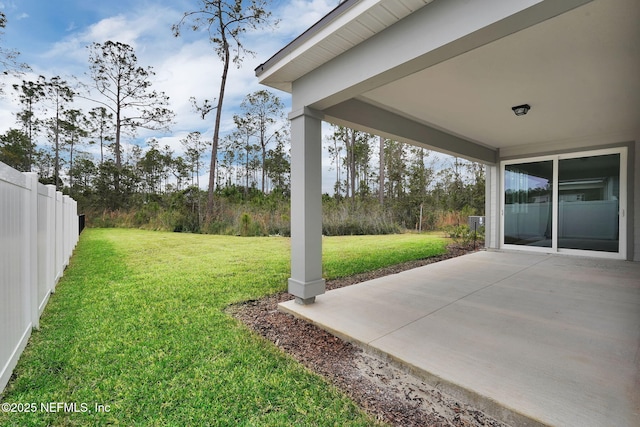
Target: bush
(245, 224)
(462, 234)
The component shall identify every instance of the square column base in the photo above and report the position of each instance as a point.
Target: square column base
(306, 292)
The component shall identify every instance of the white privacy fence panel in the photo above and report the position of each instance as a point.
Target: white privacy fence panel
(15, 319)
(38, 231)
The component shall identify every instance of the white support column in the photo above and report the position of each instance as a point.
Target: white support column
(306, 280)
(493, 212)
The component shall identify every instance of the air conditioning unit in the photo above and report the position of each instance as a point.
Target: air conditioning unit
(475, 222)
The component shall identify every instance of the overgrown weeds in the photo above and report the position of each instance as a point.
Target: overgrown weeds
(262, 216)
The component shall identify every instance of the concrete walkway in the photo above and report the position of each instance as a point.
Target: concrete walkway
(528, 338)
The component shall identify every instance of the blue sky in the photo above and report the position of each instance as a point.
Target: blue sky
(52, 36)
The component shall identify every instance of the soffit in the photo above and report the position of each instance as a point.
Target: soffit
(578, 71)
(363, 20)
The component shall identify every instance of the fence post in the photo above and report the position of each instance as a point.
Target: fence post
(58, 241)
(76, 223)
(51, 237)
(66, 206)
(31, 247)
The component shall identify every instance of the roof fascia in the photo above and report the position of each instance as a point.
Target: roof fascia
(296, 43)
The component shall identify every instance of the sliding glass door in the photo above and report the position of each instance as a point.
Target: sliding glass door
(589, 203)
(566, 203)
(528, 216)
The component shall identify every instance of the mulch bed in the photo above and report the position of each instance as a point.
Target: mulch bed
(388, 393)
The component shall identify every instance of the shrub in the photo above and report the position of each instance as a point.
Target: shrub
(245, 224)
(462, 234)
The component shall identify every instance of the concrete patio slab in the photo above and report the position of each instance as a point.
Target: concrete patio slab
(528, 338)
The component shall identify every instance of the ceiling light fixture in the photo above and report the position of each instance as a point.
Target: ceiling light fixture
(521, 110)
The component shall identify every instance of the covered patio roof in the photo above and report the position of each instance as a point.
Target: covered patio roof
(445, 74)
(534, 338)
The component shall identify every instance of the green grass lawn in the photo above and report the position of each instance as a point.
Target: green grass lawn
(137, 325)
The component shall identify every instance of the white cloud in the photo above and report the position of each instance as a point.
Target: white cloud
(298, 15)
(118, 28)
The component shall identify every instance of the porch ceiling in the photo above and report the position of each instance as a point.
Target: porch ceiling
(578, 71)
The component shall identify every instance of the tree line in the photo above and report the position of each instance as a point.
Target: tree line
(380, 185)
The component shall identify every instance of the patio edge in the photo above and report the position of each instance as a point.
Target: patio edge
(489, 406)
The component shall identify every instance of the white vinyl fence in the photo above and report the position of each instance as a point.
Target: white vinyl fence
(38, 231)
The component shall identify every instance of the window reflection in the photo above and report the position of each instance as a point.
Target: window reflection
(528, 202)
(588, 193)
(587, 204)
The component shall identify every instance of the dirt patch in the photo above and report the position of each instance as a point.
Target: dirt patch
(388, 393)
